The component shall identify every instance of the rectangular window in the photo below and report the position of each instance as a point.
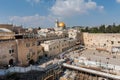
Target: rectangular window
(28, 56)
(27, 44)
(11, 51)
(38, 43)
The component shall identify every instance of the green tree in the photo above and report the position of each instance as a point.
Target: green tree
(109, 29)
(87, 29)
(102, 29)
(94, 30)
(39, 28)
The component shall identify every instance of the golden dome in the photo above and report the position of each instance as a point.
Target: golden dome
(61, 24)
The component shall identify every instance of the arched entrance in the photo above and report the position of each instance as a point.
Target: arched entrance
(46, 55)
(31, 62)
(11, 62)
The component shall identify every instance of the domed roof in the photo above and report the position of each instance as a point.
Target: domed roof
(61, 24)
(5, 30)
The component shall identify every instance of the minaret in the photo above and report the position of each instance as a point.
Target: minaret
(56, 23)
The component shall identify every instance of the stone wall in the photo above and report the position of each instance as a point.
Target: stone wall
(101, 40)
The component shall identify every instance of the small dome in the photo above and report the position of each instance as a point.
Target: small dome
(61, 24)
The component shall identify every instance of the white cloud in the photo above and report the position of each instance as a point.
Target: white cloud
(101, 8)
(60, 9)
(73, 7)
(118, 1)
(34, 21)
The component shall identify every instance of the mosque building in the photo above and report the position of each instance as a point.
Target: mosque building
(59, 25)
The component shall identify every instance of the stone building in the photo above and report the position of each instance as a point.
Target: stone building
(51, 48)
(8, 52)
(54, 47)
(20, 52)
(62, 34)
(29, 51)
(75, 34)
(46, 34)
(21, 46)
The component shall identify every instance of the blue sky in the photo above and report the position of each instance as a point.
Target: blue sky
(34, 13)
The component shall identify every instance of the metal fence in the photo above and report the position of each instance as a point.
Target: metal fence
(20, 69)
(30, 68)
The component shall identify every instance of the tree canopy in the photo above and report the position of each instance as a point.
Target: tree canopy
(103, 29)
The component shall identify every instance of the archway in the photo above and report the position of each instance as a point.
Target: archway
(31, 62)
(46, 55)
(11, 62)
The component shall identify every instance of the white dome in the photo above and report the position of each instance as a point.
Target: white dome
(5, 30)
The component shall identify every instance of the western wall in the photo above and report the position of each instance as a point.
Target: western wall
(104, 41)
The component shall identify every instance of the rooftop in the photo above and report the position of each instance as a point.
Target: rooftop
(56, 40)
